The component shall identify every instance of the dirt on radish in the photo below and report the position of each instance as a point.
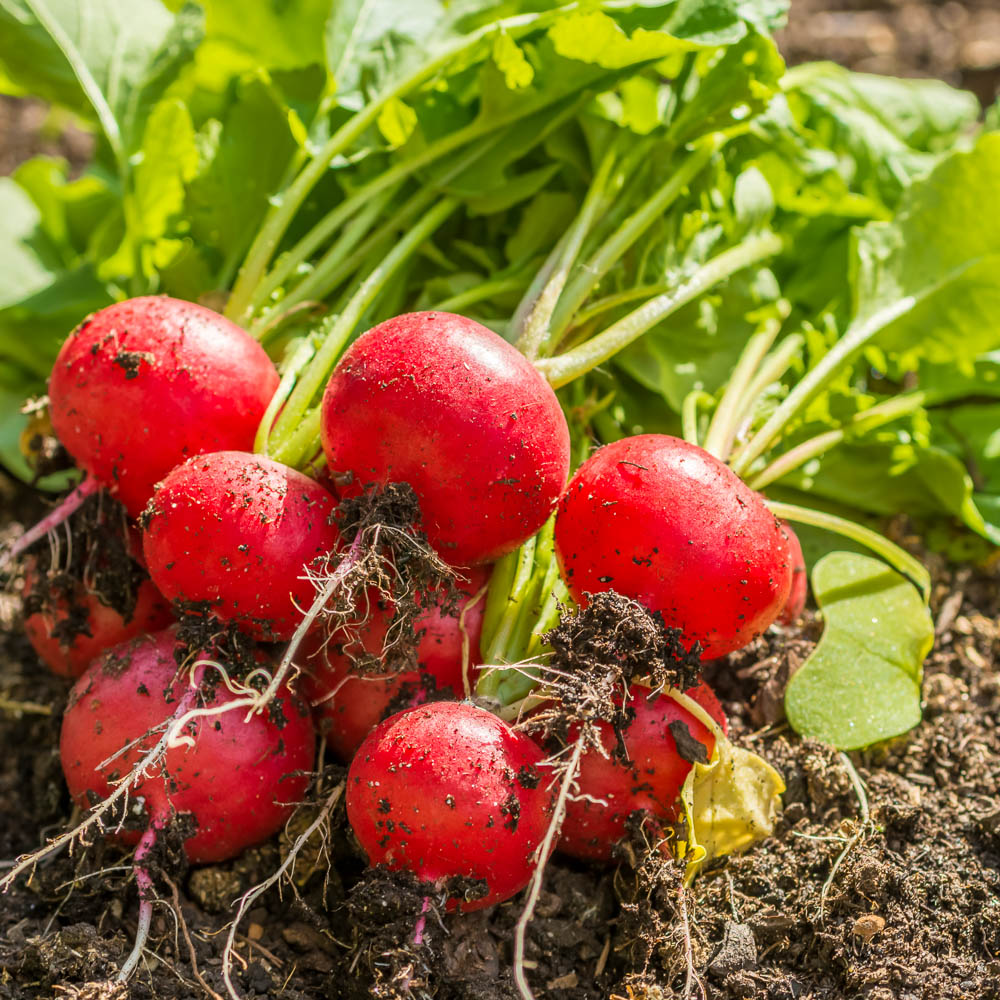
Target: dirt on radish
(911, 912)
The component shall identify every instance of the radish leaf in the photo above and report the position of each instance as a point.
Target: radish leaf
(861, 684)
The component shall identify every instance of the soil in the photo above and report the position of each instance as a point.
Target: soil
(882, 880)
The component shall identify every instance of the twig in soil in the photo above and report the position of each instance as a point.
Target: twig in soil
(862, 830)
(23, 707)
(192, 954)
(535, 888)
(248, 898)
(691, 976)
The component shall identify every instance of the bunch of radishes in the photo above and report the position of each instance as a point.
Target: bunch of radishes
(159, 401)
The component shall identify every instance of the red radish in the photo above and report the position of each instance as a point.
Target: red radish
(349, 704)
(651, 777)
(75, 626)
(444, 404)
(799, 591)
(663, 522)
(144, 384)
(449, 790)
(238, 532)
(238, 780)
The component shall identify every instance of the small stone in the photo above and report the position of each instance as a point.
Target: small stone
(867, 926)
(255, 932)
(738, 950)
(567, 982)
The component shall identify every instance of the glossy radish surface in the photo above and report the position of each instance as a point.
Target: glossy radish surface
(663, 522)
(444, 404)
(144, 384)
(238, 782)
(349, 704)
(237, 532)
(799, 591)
(76, 626)
(449, 790)
(650, 779)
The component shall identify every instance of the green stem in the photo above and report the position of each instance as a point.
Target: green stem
(816, 380)
(299, 447)
(879, 544)
(796, 457)
(329, 352)
(288, 201)
(610, 302)
(498, 286)
(630, 230)
(689, 413)
(536, 327)
(497, 643)
(564, 368)
(302, 355)
(726, 419)
(349, 238)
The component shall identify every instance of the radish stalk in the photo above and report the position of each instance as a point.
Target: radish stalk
(285, 205)
(63, 512)
(881, 413)
(538, 322)
(625, 236)
(727, 416)
(326, 357)
(564, 368)
(879, 544)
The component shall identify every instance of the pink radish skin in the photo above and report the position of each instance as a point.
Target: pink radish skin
(444, 404)
(238, 781)
(796, 603)
(650, 780)
(106, 627)
(238, 531)
(661, 521)
(348, 705)
(143, 384)
(446, 790)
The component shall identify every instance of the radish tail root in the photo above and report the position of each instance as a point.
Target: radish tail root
(144, 882)
(535, 887)
(63, 512)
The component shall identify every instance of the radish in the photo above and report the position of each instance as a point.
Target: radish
(659, 746)
(71, 625)
(145, 383)
(348, 704)
(442, 403)
(182, 748)
(448, 790)
(234, 534)
(236, 777)
(799, 591)
(663, 522)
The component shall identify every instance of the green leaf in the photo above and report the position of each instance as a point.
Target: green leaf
(29, 258)
(33, 328)
(169, 161)
(594, 37)
(278, 34)
(396, 122)
(109, 60)
(861, 684)
(509, 58)
(927, 283)
(242, 162)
